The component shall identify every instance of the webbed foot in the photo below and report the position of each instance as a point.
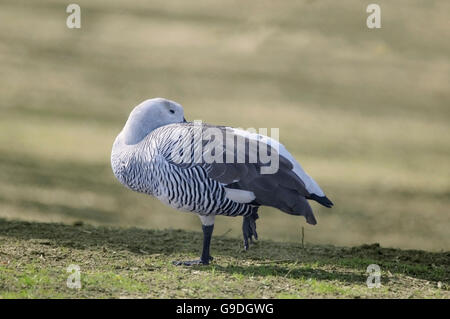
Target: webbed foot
(193, 262)
(249, 229)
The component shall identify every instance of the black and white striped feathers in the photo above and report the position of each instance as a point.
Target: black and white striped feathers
(147, 168)
(161, 158)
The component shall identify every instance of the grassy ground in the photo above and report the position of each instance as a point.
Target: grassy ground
(366, 112)
(133, 262)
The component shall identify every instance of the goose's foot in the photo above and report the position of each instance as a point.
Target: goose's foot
(206, 257)
(249, 229)
(193, 262)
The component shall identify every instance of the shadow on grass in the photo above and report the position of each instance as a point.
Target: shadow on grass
(297, 272)
(267, 258)
(22, 169)
(81, 213)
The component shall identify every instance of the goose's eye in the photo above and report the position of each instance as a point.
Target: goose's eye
(172, 111)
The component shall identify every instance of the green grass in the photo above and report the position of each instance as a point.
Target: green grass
(134, 262)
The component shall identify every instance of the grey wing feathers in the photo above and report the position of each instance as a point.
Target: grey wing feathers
(210, 195)
(283, 189)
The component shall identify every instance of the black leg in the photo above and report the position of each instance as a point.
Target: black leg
(206, 257)
(249, 229)
(207, 234)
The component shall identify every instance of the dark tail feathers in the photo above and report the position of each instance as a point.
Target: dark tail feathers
(323, 200)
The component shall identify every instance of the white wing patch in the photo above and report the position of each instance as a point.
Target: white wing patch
(310, 184)
(207, 220)
(239, 195)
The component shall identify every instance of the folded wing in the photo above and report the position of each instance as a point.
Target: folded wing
(240, 159)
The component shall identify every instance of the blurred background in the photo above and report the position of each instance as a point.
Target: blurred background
(365, 111)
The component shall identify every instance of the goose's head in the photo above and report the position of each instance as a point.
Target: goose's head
(150, 115)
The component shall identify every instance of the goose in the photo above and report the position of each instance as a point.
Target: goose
(159, 153)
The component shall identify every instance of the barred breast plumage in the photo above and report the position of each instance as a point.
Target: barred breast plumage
(146, 168)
